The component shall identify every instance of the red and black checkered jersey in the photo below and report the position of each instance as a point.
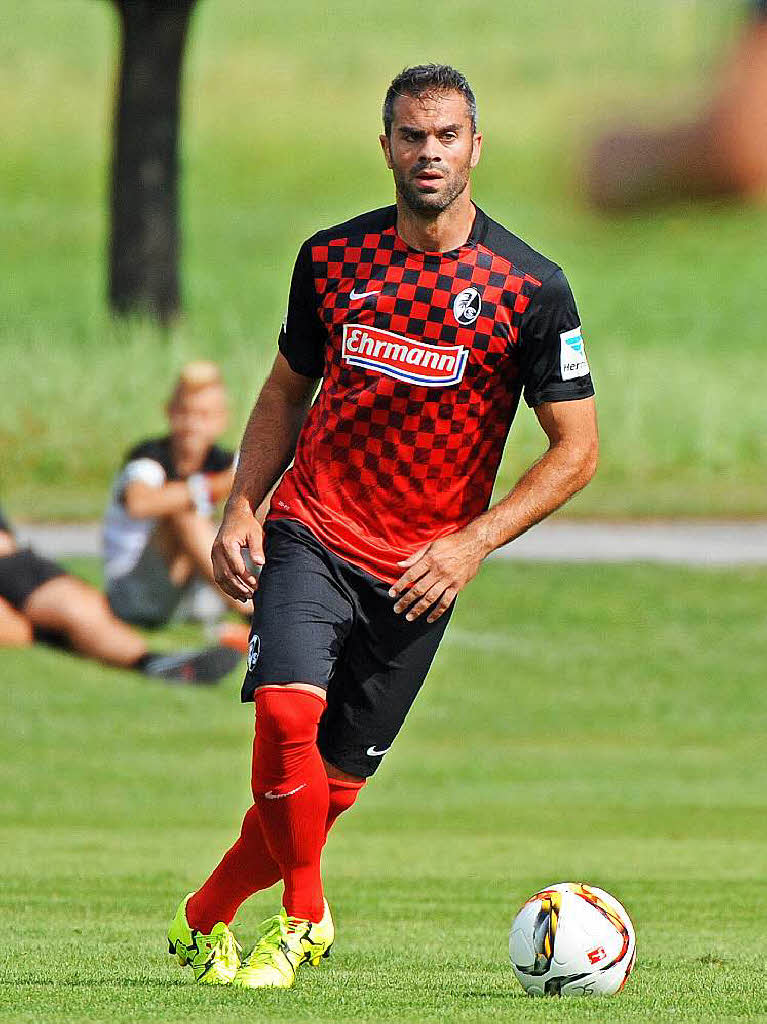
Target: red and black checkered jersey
(423, 358)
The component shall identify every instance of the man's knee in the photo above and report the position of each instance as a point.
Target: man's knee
(287, 714)
(286, 734)
(340, 775)
(63, 603)
(84, 608)
(88, 598)
(15, 629)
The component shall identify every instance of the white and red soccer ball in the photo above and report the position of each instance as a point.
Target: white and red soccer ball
(572, 939)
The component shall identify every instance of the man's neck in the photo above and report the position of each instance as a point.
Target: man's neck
(446, 231)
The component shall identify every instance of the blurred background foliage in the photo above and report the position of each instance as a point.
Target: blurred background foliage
(281, 111)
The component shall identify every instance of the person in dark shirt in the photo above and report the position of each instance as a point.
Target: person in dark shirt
(158, 528)
(40, 600)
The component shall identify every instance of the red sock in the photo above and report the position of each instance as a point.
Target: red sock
(290, 789)
(342, 796)
(248, 867)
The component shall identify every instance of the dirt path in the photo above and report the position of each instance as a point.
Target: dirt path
(685, 542)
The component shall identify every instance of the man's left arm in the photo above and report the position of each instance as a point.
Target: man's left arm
(435, 575)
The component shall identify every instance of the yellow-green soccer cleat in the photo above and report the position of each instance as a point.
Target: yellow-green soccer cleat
(283, 944)
(214, 958)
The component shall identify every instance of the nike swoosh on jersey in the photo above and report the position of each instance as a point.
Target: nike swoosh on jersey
(372, 752)
(354, 295)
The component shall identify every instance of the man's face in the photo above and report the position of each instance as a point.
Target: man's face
(431, 150)
(198, 418)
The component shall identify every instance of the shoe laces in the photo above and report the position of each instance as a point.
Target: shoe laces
(268, 942)
(226, 945)
(229, 945)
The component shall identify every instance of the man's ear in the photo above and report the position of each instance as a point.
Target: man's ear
(386, 147)
(476, 149)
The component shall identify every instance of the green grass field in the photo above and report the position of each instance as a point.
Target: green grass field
(281, 114)
(601, 724)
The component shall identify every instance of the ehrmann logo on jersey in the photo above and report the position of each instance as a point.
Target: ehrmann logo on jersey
(467, 305)
(415, 362)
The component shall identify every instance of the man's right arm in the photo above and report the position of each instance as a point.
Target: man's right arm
(267, 449)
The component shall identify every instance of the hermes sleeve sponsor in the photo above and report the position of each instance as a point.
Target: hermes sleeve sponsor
(572, 354)
(415, 362)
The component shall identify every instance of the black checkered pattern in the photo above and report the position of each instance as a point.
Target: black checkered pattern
(384, 466)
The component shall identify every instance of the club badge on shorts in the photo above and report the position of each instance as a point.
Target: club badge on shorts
(254, 649)
(467, 305)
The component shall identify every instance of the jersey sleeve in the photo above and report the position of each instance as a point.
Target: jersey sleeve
(302, 338)
(148, 471)
(553, 358)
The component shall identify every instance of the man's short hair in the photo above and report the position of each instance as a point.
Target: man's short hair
(194, 377)
(424, 79)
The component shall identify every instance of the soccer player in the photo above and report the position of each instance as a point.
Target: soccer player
(40, 600)
(158, 529)
(425, 322)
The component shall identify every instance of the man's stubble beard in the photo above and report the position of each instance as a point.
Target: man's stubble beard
(431, 204)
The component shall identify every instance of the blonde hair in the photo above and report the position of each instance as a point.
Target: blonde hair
(195, 376)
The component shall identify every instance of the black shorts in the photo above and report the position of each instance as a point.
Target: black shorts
(22, 572)
(318, 619)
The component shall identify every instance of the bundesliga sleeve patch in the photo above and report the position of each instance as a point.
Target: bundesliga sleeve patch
(572, 354)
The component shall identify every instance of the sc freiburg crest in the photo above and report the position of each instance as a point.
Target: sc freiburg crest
(467, 305)
(254, 649)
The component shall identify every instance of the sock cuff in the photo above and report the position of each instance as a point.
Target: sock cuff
(287, 688)
(345, 783)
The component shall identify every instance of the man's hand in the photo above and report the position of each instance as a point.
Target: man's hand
(435, 574)
(240, 529)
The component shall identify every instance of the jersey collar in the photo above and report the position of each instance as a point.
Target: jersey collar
(475, 236)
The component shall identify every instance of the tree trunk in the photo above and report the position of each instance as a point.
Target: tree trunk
(144, 244)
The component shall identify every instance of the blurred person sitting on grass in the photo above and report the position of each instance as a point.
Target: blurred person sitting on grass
(40, 600)
(159, 529)
(722, 152)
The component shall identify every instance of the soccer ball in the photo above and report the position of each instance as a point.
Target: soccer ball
(572, 939)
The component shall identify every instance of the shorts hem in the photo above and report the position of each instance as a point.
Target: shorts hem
(22, 573)
(247, 695)
(348, 765)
